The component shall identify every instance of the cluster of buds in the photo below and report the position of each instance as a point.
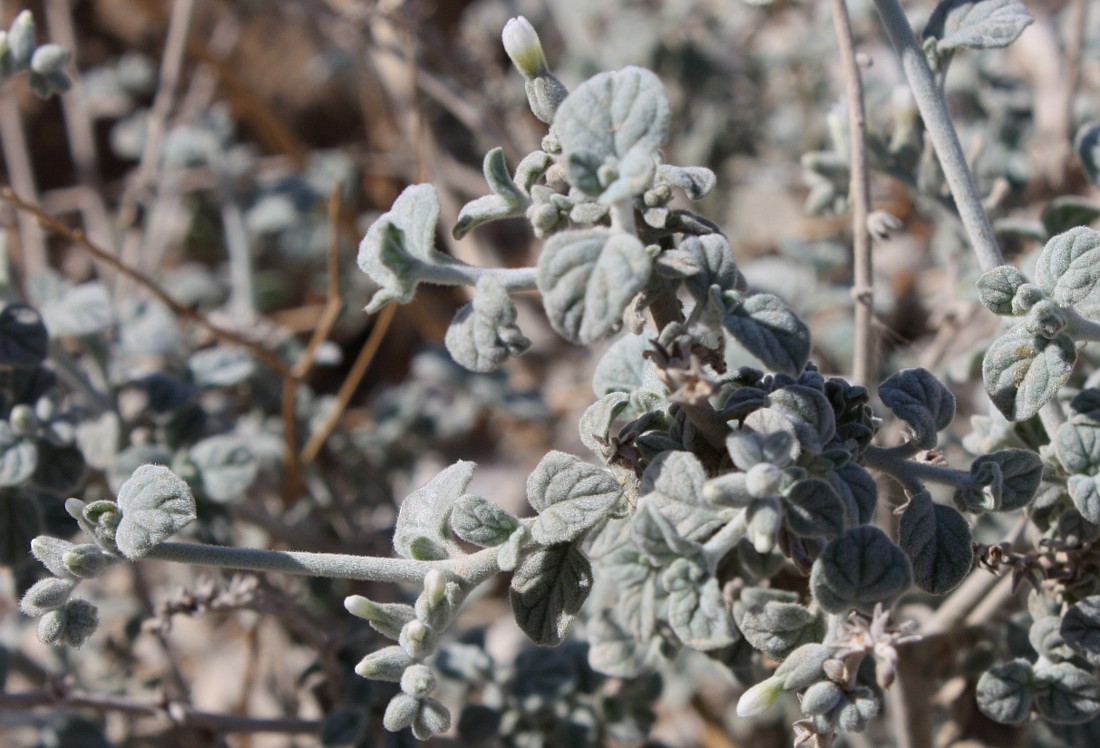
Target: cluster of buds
(46, 63)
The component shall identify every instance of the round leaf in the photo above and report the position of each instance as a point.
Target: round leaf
(937, 540)
(859, 569)
(918, 398)
(1022, 372)
(155, 503)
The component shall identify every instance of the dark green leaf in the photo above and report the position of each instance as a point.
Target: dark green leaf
(1068, 211)
(20, 523)
(23, 337)
(768, 329)
(812, 508)
(1065, 693)
(548, 589)
(918, 398)
(1080, 628)
(1006, 692)
(859, 569)
(938, 541)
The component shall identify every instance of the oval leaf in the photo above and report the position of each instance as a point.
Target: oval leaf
(423, 521)
(23, 337)
(570, 496)
(484, 332)
(155, 504)
(548, 589)
(1068, 268)
(938, 541)
(1022, 372)
(481, 522)
(768, 329)
(1005, 693)
(918, 398)
(979, 24)
(859, 569)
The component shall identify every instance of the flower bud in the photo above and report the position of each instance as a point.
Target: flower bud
(522, 44)
(757, 699)
(400, 712)
(418, 681)
(45, 595)
(21, 40)
(49, 59)
(431, 719)
(386, 664)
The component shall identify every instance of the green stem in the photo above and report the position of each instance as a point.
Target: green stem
(937, 121)
(1079, 328)
(475, 568)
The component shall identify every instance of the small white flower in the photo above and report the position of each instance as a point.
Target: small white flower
(524, 48)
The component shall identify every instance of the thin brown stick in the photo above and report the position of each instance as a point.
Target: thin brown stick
(334, 302)
(178, 714)
(77, 237)
(863, 292)
(1078, 10)
(347, 389)
(13, 140)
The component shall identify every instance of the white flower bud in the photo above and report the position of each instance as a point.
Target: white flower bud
(524, 48)
(758, 698)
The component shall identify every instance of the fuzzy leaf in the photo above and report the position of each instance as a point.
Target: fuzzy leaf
(657, 537)
(1080, 628)
(979, 24)
(938, 541)
(778, 628)
(1087, 146)
(424, 517)
(1005, 692)
(622, 368)
(484, 332)
(399, 244)
(1065, 693)
(481, 522)
(614, 651)
(1022, 371)
(506, 201)
(570, 496)
(1084, 491)
(714, 255)
(768, 329)
(227, 465)
(812, 509)
(587, 280)
(675, 479)
(918, 398)
(1021, 472)
(548, 589)
(801, 411)
(1068, 268)
(1068, 211)
(859, 569)
(997, 288)
(614, 114)
(18, 457)
(155, 504)
(23, 337)
(696, 610)
(858, 490)
(81, 310)
(696, 181)
(1077, 444)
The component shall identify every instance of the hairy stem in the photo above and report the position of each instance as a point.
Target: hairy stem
(514, 280)
(863, 362)
(474, 569)
(911, 472)
(937, 121)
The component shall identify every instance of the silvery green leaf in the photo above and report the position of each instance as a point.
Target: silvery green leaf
(81, 310)
(822, 697)
(1084, 491)
(226, 464)
(748, 449)
(657, 537)
(18, 457)
(531, 168)
(60, 469)
(587, 280)
(484, 332)
(155, 504)
(511, 549)
(1046, 638)
(1064, 693)
(548, 588)
(801, 411)
(1087, 146)
(400, 243)
(938, 541)
(696, 610)
(612, 114)
(812, 508)
(1005, 692)
(918, 398)
(997, 288)
(978, 24)
(221, 366)
(1077, 444)
(595, 425)
(86, 560)
(675, 479)
(46, 594)
(23, 337)
(1068, 268)
(803, 666)
(858, 490)
(859, 569)
(1068, 211)
(432, 718)
(696, 181)
(1080, 628)
(614, 651)
(622, 368)
(1022, 371)
(21, 40)
(507, 200)
(767, 328)
(481, 522)
(426, 512)
(570, 496)
(1074, 529)
(715, 256)
(778, 628)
